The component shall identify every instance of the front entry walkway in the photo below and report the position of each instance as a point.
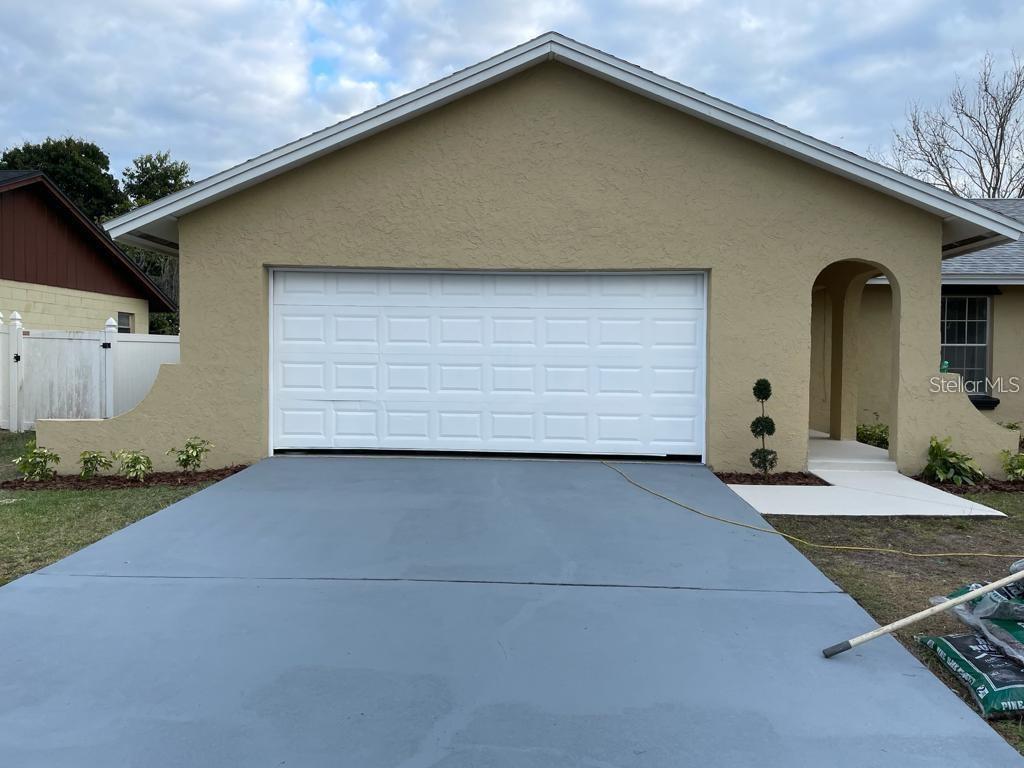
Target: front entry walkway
(411, 612)
(864, 483)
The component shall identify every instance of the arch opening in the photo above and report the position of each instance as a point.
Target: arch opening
(854, 352)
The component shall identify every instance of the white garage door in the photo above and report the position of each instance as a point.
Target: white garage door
(578, 363)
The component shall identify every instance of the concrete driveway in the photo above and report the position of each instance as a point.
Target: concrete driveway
(413, 612)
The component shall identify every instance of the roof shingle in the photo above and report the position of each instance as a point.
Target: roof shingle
(1006, 259)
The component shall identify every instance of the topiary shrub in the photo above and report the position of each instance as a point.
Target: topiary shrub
(37, 463)
(764, 459)
(92, 462)
(948, 466)
(135, 465)
(190, 458)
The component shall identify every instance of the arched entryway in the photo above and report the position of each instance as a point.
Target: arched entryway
(854, 349)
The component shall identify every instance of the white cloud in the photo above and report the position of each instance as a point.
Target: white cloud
(217, 81)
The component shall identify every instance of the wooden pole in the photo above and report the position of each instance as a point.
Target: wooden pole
(846, 645)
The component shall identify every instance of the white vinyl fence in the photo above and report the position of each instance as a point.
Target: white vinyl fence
(75, 374)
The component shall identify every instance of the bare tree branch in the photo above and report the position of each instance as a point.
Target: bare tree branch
(973, 143)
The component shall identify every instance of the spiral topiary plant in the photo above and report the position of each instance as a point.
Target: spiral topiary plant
(763, 459)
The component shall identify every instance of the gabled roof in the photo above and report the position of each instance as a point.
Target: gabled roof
(966, 226)
(1000, 264)
(6, 176)
(158, 301)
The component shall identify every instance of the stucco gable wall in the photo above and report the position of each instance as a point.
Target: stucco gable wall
(552, 169)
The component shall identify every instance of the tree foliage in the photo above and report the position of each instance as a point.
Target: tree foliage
(79, 168)
(152, 176)
(971, 144)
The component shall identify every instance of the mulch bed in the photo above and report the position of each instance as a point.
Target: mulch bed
(775, 478)
(116, 482)
(983, 486)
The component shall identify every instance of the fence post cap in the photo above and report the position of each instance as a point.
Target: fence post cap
(15, 317)
(110, 325)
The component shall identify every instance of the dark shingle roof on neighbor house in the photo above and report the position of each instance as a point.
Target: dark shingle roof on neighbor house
(999, 260)
(12, 175)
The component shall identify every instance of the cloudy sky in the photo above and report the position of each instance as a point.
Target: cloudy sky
(218, 81)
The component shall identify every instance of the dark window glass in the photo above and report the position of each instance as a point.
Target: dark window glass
(964, 332)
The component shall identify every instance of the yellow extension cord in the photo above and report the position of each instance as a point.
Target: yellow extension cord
(797, 539)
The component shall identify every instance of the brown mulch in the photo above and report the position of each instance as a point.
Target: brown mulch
(115, 482)
(774, 478)
(982, 486)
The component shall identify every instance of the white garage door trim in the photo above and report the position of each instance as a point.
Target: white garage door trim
(691, 404)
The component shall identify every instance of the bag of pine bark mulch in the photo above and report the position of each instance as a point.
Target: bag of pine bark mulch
(996, 681)
(1007, 636)
(1005, 603)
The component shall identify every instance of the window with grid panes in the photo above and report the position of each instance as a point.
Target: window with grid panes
(965, 338)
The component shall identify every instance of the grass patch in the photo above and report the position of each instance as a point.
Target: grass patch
(890, 587)
(38, 528)
(12, 445)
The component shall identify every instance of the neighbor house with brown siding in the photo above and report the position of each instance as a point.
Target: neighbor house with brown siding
(59, 270)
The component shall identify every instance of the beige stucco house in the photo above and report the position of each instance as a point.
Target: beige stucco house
(981, 332)
(551, 251)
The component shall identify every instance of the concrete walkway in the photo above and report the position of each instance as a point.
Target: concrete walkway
(457, 613)
(864, 483)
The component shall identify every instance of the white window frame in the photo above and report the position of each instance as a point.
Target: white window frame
(986, 345)
(131, 322)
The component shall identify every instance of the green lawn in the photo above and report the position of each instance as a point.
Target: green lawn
(40, 527)
(890, 587)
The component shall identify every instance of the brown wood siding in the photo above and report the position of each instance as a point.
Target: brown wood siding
(41, 243)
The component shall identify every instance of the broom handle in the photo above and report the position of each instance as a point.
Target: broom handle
(846, 645)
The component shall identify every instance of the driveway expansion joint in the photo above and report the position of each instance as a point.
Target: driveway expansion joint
(407, 580)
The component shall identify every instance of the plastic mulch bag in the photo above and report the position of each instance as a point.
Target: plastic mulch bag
(1004, 603)
(995, 680)
(1007, 636)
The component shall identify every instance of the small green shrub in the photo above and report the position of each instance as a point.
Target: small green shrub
(92, 462)
(37, 463)
(1013, 465)
(135, 465)
(190, 458)
(763, 459)
(876, 434)
(948, 466)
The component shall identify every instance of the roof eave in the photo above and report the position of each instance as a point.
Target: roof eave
(967, 217)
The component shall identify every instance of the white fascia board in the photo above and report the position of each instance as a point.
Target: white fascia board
(968, 279)
(330, 139)
(783, 138)
(983, 279)
(598, 63)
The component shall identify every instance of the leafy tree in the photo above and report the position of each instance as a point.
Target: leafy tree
(78, 167)
(148, 178)
(971, 144)
(153, 176)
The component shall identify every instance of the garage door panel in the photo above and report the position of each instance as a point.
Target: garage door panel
(577, 363)
(597, 291)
